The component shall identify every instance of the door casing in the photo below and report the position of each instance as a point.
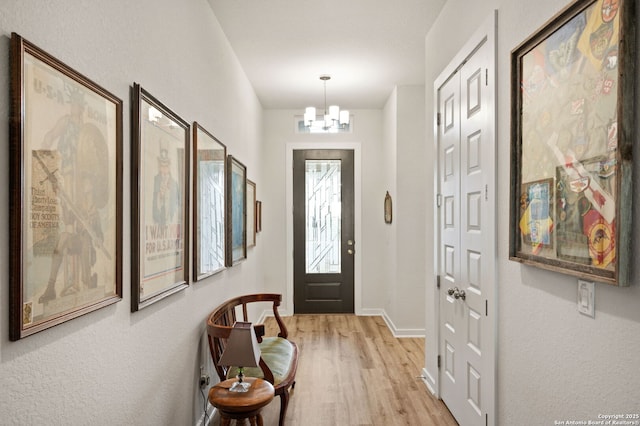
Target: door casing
(486, 33)
(287, 309)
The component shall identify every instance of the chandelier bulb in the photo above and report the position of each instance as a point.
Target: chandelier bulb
(333, 117)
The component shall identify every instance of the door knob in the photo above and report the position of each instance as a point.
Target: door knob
(458, 294)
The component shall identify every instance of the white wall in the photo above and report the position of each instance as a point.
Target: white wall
(392, 147)
(279, 130)
(404, 165)
(411, 206)
(553, 363)
(113, 366)
(389, 166)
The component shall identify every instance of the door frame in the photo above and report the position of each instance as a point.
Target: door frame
(357, 191)
(486, 33)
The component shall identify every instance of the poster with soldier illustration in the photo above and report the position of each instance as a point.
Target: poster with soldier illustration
(66, 229)
(161, 158)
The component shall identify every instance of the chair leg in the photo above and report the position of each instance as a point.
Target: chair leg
(284, 403)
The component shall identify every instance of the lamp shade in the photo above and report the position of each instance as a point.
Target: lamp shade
(344, 116)
(309, 115)
(242, 349)
(334, 112)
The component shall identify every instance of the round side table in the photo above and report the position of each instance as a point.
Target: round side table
(241, 405)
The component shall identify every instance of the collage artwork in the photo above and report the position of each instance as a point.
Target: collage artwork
(569, 140)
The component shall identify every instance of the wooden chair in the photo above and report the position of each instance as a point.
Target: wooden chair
(279, 358)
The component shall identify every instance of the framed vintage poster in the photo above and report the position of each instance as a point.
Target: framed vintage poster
(251, 213)
(160, 200)
(208, 203)
(572, 115)
(236, 211)
(258, 216)
(66, 193)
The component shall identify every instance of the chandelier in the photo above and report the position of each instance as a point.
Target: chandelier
(333, 118)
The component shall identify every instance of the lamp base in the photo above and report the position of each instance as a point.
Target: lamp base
(240, 387)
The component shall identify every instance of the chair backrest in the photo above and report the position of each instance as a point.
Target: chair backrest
(221, 320)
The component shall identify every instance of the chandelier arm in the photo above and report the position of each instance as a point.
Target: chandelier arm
(333, 117)
(325, 97)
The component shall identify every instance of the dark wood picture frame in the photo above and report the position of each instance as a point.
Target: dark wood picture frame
(66, 193)
(251, 213)
(209, 203)
(572, 122)
(159, 200)
(258, 216)
(236, 211)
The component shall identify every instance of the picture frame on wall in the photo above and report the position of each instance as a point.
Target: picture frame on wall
(160, 200)
(572, 112)
(209, 176)
(251, 213)
(388, 208)
(258, 216)
(236, 211)
(66, 193)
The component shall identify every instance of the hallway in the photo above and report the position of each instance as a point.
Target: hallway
(352, 371)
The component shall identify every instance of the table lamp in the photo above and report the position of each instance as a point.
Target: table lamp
(242, 350)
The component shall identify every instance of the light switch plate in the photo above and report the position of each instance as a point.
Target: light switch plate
(586, 298)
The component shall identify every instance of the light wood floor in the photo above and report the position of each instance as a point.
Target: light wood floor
(352, 371)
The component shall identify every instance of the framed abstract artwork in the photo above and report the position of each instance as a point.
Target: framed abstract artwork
(160, 200)
(236, 211)
(572, 112)
(66, 193)
(209, 174)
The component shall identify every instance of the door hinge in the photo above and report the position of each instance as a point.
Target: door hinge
(486, 76)
(438, 118)
(438, 282)
(486, 192)
(438, 200)
(439, 362)
(486, 307)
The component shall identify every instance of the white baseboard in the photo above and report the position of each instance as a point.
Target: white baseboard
(402, 332)
(211, 411)
(370, 312)
(429, 381)
(269, 313)
(366, 312)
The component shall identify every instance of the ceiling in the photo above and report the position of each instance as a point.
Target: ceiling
(366, 46)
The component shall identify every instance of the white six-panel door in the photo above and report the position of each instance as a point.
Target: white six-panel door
(466, 225)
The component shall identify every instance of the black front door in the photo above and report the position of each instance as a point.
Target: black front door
(323, 231)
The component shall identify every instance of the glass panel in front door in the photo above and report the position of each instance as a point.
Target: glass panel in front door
(323, 205)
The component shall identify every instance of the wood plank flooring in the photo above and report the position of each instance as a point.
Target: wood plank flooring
(352, 371)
